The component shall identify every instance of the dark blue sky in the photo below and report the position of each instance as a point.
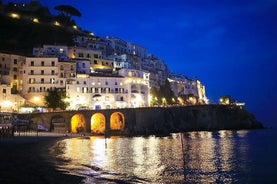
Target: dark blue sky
(230, 45)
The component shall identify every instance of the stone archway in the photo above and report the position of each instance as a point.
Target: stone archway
(78, 123)
(117, 121)
(98, 123)
(57, 124)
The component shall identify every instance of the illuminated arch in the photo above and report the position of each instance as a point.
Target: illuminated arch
(98, 123)
(78, 123)
(117, 121)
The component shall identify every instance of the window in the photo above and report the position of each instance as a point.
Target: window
(32, 63)
(42, 72)
(14, 69)
(32, 72)
(81, 55)
(42, 81)
(53, 63)
(14, 77)
(115, 83)
(106, 83)
(95, 61)
(42, 63)
(52, 81)
(84, 65)
(85, 82)
(4, 91)
(52, 72)
(95, 55)
(61, 67)
(15, 61)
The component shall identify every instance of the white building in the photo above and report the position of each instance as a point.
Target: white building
(97, 62)
(157, 68)
(115, 45)
(40, 74)
(105, 91)
(10, 70)
(9, 102)
(59, 51)
(183, 86)
(136, 50)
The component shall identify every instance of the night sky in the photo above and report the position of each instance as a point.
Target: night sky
(230, 45)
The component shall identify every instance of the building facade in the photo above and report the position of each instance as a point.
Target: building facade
(129, 89)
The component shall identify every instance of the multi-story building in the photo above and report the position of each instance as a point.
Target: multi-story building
(10, 70)
(157, 68)
(40, 74)
(103, 91)
(115, 46)
(183, 86)
(136, 50)
(66, 70)
(97, 63)
(9, 102)
(59, 51)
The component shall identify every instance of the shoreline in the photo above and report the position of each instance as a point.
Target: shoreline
(27, 159)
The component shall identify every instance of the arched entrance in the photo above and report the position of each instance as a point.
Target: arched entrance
(78, 123)
(57, 124)
(98, 123)
(117, 121)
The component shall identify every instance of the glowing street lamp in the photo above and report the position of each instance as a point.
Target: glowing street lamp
(163, 101)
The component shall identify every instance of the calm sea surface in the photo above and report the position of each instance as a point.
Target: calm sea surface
(194, 157)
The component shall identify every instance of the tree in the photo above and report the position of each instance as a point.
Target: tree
(68, 10)
(164, 95)
(55, 99)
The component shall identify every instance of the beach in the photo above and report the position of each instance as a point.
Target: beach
(27, 159)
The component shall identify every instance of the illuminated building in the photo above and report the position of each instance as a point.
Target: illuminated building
(10, 70)
(129, 89)
(182, 86)
(59, 51)
(97, 62)
(40, 74)
(157, 68)
(9, 102)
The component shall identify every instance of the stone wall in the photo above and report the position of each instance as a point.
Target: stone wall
(194, 118)
(162, 120)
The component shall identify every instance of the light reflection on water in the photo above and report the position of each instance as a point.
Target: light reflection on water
(207, 157)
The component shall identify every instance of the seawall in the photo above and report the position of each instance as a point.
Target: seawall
(155, 120)
(194, 118)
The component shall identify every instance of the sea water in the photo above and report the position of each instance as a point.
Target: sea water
(193, 157)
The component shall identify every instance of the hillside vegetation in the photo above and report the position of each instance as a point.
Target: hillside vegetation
(18, 35)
